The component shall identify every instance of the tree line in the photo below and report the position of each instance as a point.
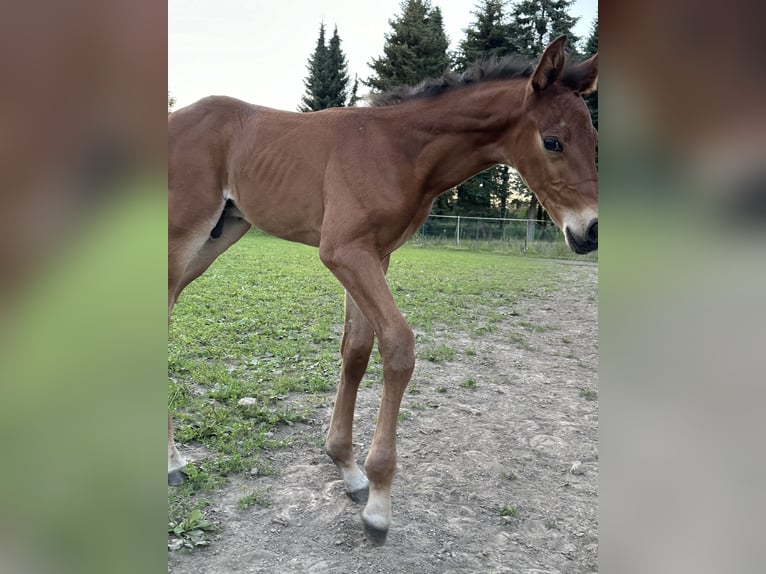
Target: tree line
(417, 48)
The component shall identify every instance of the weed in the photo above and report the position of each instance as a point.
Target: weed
(439, 353)
(483, 330)
(508, 476)
(199, 478)
(470, 352)
(520, 341)
(258, 497)
(535, 327)
(550, 524)
(468, 384)
(509, 510)
(192, 530)
(441, 389)
(588, 394)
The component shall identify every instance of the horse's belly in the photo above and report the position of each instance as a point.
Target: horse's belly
(291, 216)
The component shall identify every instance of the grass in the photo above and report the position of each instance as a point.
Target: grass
(550, 524)
(509, 510)
(539, 249)
(440, 353)
(258, 497)
(264, 322)
(520, 341)
(468, 384)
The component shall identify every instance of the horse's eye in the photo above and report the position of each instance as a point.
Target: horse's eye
(553, 144)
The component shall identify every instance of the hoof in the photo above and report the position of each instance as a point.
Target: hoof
(175, 478)
(375, 536)
(359, 496)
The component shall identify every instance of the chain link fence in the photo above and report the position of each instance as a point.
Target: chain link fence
(533, 236)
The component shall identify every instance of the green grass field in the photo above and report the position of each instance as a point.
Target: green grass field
(265, 322)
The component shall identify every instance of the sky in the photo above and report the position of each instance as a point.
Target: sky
(257, 50)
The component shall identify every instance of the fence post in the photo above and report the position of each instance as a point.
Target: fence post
(530, 231)
(457, 232)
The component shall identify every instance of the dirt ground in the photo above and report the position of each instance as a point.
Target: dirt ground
(465, 452)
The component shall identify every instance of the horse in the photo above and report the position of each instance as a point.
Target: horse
(357, 182)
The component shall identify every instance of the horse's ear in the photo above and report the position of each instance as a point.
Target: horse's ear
(587, 75)
(550, 65)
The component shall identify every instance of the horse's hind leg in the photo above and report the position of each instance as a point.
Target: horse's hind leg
(190, 253)
(175, 461)
(358, 338)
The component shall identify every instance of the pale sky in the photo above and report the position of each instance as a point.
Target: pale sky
(257, 50)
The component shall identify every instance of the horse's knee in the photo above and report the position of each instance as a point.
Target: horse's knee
(397, 350)
(355, 350)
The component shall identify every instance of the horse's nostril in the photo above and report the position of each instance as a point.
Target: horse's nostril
(593, 231)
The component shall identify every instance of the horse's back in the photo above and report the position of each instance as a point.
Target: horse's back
(265, 161)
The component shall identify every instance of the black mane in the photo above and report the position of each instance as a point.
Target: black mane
(492, 69)
(489, 70)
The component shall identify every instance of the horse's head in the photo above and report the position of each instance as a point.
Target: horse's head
(554, 148)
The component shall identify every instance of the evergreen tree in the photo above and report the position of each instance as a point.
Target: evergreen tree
(487, 36)
(171, 102)
(337, 73)
(316, 81)
(486, 194)
(591, 47)
(327, 81)
(416, 48)
(354, 97)
(591, 44)
(537, 22)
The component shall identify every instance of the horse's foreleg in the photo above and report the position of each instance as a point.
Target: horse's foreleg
(358, 338)
(363, 276)
(397, 351)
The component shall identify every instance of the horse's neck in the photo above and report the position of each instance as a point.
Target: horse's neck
(462, 133)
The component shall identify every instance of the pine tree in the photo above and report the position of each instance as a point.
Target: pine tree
(416, 48)
(591, 44)
(327, 80)
(315, 82)
(487, 36)
(537, 22)
(354, 97)
(591, 47)
(337, 73)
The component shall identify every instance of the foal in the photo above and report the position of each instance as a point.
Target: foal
(357, 183)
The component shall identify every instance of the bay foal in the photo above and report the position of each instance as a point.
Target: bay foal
(357, 183)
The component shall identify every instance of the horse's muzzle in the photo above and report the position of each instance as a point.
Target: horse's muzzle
(585, 244)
